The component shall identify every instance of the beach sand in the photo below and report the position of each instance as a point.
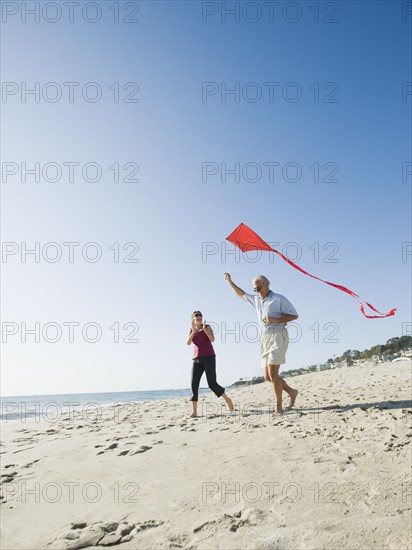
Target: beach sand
(334, 473)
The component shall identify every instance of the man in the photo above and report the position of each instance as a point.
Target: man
(274, 311)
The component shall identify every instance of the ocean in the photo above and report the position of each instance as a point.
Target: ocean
(50, 407)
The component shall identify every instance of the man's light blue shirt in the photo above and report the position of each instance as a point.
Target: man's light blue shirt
(274, 305)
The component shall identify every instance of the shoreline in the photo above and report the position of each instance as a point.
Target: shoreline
(66, 408)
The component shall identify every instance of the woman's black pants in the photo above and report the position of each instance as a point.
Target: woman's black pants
(205, 364)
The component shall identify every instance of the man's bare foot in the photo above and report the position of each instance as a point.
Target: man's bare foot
(193, 415)
(292, 399)
(278, 413)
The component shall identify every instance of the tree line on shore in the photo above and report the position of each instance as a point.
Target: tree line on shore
(393, 346)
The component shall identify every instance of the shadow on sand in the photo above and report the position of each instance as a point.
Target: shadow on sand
(252, 410)
(379, 405)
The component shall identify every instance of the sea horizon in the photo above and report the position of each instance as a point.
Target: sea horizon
(52, 406)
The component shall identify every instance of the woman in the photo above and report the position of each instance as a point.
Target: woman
(204, 359)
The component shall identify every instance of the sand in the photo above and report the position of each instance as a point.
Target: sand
(334, 473)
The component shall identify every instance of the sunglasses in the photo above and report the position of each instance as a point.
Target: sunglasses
(258, 288)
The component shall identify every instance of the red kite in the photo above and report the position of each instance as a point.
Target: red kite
(246, 239)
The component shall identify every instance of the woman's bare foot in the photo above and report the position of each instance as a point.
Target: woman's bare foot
(278, 413)
(229, 402)
(292, 399)
(193, 415)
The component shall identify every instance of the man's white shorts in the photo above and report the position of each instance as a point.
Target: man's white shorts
(273, 346)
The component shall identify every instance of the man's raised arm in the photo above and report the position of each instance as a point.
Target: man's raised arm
(238, 291)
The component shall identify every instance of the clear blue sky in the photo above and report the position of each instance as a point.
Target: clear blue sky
(334, 104)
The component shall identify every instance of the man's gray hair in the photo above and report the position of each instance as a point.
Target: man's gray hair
(262, 279)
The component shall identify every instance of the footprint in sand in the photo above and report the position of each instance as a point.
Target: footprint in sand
(84, 535)
(142, 449)
(178, 541)
(130, 452)
(8, 478)
(245, 517)
(29, 464)
(109, 448)
(166, 426)
(24, 439)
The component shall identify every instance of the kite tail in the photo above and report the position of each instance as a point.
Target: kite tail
(344, 289)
